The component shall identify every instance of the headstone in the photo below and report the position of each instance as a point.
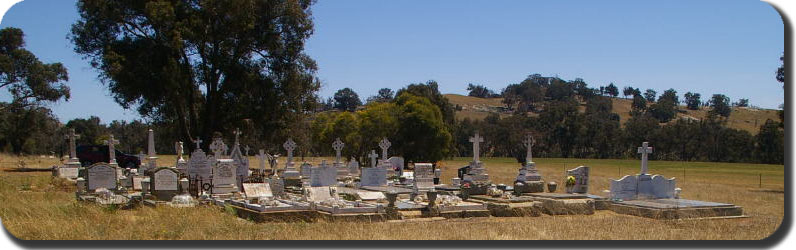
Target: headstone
(218, 148)
(396, 163)
(199, 167)
(257, 190)
(290, 168)
(324, 175)
(342, 171)
(73, 160)
(306, 170)
(262, 158)
(165, 183)
(528, 180)
(224, 177)
(373, 156)
(353, 166)
(424, 177)
(240, 160)
(643, 186)
(277, 185)
(318, 194)
(581, 175)
(373, 177)
(101, 175)
(137, 179)
(477, 172)
(152, 159)
(68, 172)
(112, 150)
(384, 144)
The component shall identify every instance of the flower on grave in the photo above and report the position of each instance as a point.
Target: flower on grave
(466, 185)
(570, 181)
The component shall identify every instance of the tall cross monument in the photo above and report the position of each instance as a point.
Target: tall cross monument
(111, 149)
(338, 146)
(476, 140)
(384, 144)
(72, 145)
(528, 141)
(290, 145)
(373, 156)
(644, 150)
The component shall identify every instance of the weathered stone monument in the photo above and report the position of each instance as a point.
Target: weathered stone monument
(152, 159)
(182, 164)
(111, 142)
(70, 169)
(241, 161)
(477, 180)
(323, 175)
(580, 176)
(424, 178)
(164, 183)
(353, 167)
(101, 175)
(643, 185)
(528, 180)
(373, 177)
(199, 167)
(225, 177)
(342, 170)
(290, 168)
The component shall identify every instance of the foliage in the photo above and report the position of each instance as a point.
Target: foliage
(742, 103)
(422, 134)
(477, 90)
(692, 101)
(384, 95)
(203, 66)
(771, 143)
(612, 90)
(720, 105)
(28, 129)
(650, 94)
(29, 81)
(639, 103)
(346, 100)
(666, 107)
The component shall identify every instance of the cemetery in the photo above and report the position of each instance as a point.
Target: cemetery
(385, 190)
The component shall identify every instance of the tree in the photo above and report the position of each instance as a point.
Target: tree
(203, 65)
(346, 100)
(781, 70)
(666, 107)
(29, 81)
(28, 129)
(639, 103)
(430, 90)
(477, 90)
(692, 101)
(384, 95)
(742, 103)
(721, 105)
(422, 135)
(771, 143)
(612, 90)
(560, 90)
(650, 95)
(670, 95)
(91, 130)
(628, 91)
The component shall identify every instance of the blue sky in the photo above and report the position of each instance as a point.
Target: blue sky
(708, 47)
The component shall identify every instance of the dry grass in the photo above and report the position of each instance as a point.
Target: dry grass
(34, 205)
(740, 118)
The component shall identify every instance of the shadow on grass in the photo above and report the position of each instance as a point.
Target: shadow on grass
(26, 170)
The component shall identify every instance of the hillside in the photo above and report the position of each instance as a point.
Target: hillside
(748, 119)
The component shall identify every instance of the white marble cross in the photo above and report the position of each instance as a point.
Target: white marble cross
(237, 136)
(111, 149)
(644, 150)
(218, 147)
(373, 157)
(72, 144)
(262, 157)
(290, 145)
(178, 148)
(529, 141)
(338, 146)
(476, 140)
(384, 144)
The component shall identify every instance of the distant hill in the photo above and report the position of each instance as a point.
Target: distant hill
(748, 119)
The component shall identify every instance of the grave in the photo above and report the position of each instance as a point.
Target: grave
(476, 181)
(199, 167)
(654, 196)
(323, 175)
(291, 175)
(331, 207)
(152, 159)
(342, 170)
(224, 177)
(165, 183)
(580, 180)
(70, 169)
(353, 167)
(373, 177)
(101, 186)
(528, 180)
(181, 165)
(240, 160)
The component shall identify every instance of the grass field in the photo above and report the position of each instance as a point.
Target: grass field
(741, 118)
(33, 205)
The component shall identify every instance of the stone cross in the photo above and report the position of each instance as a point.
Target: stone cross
(262, 157)
(290, 145)
(237, 137)
(198, 143)
(644, 150)
(72, 147)
(338, 146)
(111, 149)
(373, 156)
(178, 149)
(384, 144)
(218, 147)
(247, 150)
(529, 141)
(476, 140)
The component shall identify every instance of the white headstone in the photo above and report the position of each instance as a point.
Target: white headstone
(424, 176)
(199, 166)
(384, 144)
(337, 146)
(373, 156)
(324, 175)
(257, 190)
(218, 148)
(373, 177)
(353, 166)
(581, 175)
(476, 140)
(528, 142)
(112, 149)
(224, 177)
(166, 180)
(152, 158)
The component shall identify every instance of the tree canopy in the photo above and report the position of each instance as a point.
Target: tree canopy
(27, 79)
(346, 100)
(203, 65)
